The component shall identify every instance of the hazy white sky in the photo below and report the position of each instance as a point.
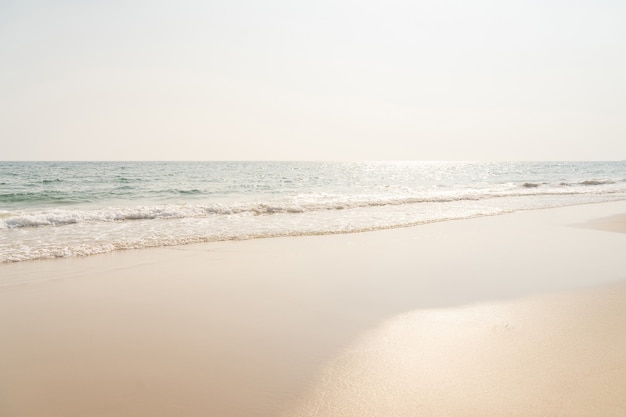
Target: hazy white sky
(336, 79)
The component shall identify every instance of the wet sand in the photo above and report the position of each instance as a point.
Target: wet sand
(517, 315)
(554, 355)
(610, 224)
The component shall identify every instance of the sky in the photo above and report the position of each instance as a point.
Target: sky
(315, 80)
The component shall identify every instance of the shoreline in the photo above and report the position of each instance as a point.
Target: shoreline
(249, 327)
(75, 252)
(614, 223)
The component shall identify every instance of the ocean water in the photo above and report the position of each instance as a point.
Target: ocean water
(61, 209)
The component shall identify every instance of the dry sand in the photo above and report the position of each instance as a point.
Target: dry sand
(514, 315)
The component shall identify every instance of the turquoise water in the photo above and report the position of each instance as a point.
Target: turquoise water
(59, 209)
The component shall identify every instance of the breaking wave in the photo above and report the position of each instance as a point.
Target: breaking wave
(587, 182)
(60, 217)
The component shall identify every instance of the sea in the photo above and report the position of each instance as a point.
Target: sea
(68, 209)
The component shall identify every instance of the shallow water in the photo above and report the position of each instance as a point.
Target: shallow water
(60, 209)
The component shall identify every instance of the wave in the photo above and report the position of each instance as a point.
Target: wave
(128, 179)
(40, 197)
(60, 217)
(52, 196)
(596, 182)
(126, 188)
(587, 183)
(98, 247)
(194, 191)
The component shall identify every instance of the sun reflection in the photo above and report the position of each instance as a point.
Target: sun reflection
(513, 359)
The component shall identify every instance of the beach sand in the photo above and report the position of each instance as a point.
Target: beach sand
(515, 315)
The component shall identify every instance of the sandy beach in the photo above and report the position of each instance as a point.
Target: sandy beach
(521, 314)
